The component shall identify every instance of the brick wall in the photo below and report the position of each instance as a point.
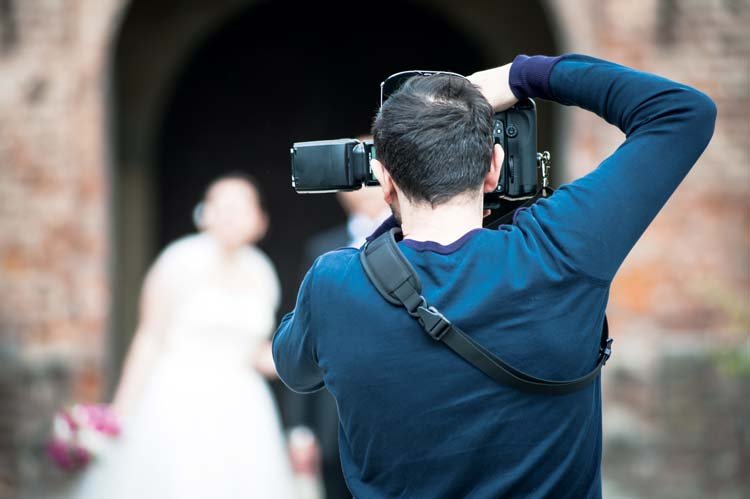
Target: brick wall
(53, 217)
(675, 422)
(690, 272)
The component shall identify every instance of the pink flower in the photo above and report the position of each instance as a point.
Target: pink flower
(67, 457)
(98, 417)
(79, 434)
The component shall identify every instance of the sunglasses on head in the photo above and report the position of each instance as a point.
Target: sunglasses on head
(397, 80)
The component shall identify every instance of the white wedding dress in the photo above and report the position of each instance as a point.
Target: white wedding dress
(206, 426)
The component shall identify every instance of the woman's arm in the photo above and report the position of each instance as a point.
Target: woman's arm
(263, 357)
(263, 361)
(147, 342)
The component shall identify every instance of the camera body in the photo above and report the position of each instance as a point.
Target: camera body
(515, 131)
(344, 164)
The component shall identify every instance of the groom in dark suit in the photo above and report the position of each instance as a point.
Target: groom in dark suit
(366, 210)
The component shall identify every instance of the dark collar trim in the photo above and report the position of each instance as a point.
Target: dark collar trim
(439, 248)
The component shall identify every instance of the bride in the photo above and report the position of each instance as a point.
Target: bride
(198, 419)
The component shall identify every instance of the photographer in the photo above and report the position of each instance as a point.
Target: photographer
(416, 420)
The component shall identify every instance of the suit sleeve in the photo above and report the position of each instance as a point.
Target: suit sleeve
(593, 222)
(294, 345)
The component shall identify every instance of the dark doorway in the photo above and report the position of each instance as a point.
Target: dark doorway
(280, 73)
(200, 88)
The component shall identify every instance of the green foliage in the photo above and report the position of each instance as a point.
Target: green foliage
(734, 362)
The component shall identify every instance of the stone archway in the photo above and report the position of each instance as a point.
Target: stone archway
(164, 56)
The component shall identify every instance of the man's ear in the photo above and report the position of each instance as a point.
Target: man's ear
(493, 176)
(385, 180)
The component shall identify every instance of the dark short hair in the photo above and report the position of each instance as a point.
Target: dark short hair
(434, 136)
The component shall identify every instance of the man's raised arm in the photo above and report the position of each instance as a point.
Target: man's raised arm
(592, 223)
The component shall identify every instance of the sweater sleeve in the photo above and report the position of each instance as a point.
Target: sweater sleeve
(593, 222)
(293, 344)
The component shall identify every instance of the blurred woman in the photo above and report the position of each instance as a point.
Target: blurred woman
(198, 419)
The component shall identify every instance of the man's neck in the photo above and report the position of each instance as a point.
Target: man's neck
(443, 224)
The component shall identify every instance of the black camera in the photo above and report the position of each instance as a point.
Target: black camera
(332, 165)
(344, 164)
(515, 131)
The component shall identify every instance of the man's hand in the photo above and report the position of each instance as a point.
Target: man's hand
(495, 86)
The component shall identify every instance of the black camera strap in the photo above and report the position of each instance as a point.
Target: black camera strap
(397, 281)
(509, 217)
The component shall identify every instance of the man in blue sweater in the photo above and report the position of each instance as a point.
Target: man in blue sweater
(418, 421)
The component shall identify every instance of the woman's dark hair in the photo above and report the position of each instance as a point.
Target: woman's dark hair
(434, 136)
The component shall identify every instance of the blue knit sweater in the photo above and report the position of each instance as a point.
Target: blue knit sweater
(416, 421)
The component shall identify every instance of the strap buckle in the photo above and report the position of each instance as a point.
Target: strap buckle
(606, 351)
(433, 322)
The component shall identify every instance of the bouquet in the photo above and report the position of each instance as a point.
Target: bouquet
(80, 433)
